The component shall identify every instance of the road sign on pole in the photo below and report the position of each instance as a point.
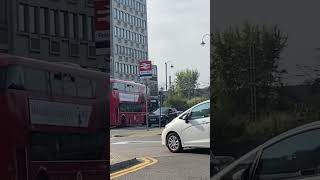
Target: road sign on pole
(102, 26)
(145, 69)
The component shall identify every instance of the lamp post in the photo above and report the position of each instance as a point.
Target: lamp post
(160, 102)
(166, 63)
(202, 42)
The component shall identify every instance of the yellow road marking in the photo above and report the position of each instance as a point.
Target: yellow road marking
(147, 161)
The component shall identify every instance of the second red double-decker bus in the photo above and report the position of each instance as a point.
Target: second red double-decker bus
(128, 104)
(53, 121)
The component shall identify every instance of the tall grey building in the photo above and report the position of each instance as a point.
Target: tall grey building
(51, 30)
(129, 38)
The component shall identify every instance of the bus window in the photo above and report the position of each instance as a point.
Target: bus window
(127, 107)
(69, 85)
(115, 86)
(121, 87)
(84, 88)
(56, 83)
(36, 80)
(15, 77)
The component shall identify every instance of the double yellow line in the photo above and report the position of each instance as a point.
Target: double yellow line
(146, 161)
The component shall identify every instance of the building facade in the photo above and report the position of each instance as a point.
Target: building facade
(51, 30)
(129, 38)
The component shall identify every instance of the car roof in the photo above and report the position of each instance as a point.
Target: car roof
(297, 130)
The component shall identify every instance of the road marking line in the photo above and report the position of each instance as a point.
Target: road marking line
(147, 161)
(136, 142)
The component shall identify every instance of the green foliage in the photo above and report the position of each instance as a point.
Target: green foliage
(195, 101)
(182, 103)
(177, 102)
(186, 83)
(230, 70)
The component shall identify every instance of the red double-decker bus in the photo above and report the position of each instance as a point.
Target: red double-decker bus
(53, 121)
(128, 104)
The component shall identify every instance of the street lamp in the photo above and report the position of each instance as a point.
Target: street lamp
(203, 43)
(166, 63)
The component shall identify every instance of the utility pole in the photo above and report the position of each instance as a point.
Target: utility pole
(146, 99)
(169, 82)
(166, 76)
(252, 81)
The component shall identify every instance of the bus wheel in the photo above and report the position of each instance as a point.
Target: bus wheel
(123, 122)
(42, 175)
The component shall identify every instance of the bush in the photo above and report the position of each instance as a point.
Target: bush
(177, 102)
(195, 101)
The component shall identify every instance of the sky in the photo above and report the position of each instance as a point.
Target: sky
(175, 31)
(298, 19)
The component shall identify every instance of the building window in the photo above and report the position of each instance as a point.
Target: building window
(74, 49)
(114, 13)
(71, 26)
(117, 67)
(63, 17)
(121, 15)
(32, 19)
(122, 33)
(82, 26)
(121, 67)
(22, 18)
(3, 12)
(90, 28)
(54, 28)
(43, 21)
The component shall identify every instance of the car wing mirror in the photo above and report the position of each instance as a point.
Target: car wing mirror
(187, 118)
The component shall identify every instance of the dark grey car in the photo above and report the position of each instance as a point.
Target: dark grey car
(167, 114)
(294, 154)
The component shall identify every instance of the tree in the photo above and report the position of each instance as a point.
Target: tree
(186, 82)
(246, 58)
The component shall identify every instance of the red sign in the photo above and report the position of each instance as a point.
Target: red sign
(102, 24)
(145, 68)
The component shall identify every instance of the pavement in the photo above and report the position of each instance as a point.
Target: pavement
(136, 143)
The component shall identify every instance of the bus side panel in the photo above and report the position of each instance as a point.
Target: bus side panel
(6, 149)
(114, 110)
(14, 134)
(88, 170)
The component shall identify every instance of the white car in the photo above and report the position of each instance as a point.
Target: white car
(190, 129)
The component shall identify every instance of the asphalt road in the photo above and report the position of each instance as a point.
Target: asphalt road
(191, 164)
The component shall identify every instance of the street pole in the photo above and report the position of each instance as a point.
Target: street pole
(146, 99)
(160, 112)
(166, 76)
(169, 82)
